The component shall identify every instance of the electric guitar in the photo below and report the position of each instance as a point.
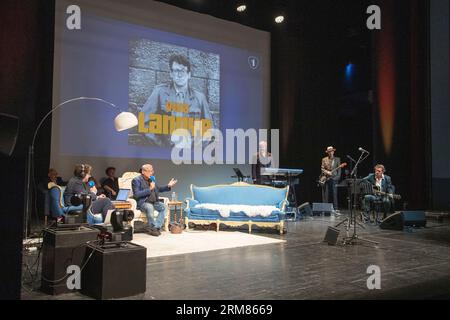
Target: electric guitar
(323, 178)
(378, 192)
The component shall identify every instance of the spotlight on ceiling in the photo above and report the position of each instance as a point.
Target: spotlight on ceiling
(279, 19)
(241, 8)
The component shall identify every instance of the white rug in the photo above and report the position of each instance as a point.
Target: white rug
(168, 244)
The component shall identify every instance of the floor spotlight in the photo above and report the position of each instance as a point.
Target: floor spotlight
(279, 19)
(241, 8)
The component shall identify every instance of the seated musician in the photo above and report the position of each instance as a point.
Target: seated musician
(262, 159)
(380, 182)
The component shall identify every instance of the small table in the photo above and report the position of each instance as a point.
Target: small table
(174, 205)
(121, 204)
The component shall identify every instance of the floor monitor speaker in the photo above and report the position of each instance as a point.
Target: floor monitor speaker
(322, 208)
(332, 235)
(399, 220)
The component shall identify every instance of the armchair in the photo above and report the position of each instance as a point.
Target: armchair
(58, 209)
(125, 183)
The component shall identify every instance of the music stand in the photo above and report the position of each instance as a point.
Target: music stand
(239, 175)
(353, 191)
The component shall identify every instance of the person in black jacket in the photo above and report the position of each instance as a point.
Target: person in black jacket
(380, 182)
(111, 183)
(78, 184)
(262, 159)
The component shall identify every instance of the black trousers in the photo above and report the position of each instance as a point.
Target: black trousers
(329, 191)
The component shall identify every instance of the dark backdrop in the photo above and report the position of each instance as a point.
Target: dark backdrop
(315, 106)
(26, 64)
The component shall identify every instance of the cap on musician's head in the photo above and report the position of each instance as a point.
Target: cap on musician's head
(329, 149)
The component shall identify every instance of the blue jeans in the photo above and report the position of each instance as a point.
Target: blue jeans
(93, 219)
(149, 208)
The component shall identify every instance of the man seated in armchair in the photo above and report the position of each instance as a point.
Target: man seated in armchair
(146, 193)
(383, 183)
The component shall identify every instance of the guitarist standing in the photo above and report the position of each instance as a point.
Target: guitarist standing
(331, 173)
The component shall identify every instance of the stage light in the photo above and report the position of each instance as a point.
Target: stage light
(241, 8)
(279, 19)
(349, 70)
(119, 217)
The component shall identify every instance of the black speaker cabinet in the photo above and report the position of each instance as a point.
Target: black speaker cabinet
(414, 218)
(322, 208)
(305, 209)
(62, 247)
(9, 131)
(401, 219)
(331, 236)
(114, 270)
(74, 218)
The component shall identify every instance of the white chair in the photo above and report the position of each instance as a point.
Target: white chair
(125, 183)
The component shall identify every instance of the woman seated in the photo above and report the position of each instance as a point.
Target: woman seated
(111, 183)
(78, 184)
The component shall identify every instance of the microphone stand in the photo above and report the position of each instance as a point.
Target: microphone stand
(352, 207)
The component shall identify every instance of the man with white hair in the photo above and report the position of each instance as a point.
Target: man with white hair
(262, 159)
(146, 193)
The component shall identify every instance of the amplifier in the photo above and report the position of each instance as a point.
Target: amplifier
(74, 218)
(322, 208)
(114, 270)
(332, 235)
(62, 247)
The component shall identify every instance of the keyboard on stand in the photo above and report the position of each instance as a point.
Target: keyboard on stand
(289, 176)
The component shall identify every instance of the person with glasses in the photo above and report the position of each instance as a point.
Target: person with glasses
(176, 98)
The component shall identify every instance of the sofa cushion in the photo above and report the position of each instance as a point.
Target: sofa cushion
(246, 194)
(205, 214)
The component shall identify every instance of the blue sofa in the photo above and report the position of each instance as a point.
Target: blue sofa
(237, 194)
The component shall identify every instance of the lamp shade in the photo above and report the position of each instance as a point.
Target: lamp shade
(125, 120)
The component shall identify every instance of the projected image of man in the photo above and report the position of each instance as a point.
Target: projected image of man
(179, 99)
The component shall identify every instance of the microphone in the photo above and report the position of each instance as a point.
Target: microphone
(153, 178)
(363, 150)
(91, 184)
(351, 158)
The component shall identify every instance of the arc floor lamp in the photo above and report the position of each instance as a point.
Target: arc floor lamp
(122, 122)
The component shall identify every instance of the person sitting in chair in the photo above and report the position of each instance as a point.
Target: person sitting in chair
(380, 182)
(111, 183)
(146, 193)
(53, 177)
(78, 184)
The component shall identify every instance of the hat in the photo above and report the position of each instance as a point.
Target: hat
(329, 149)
